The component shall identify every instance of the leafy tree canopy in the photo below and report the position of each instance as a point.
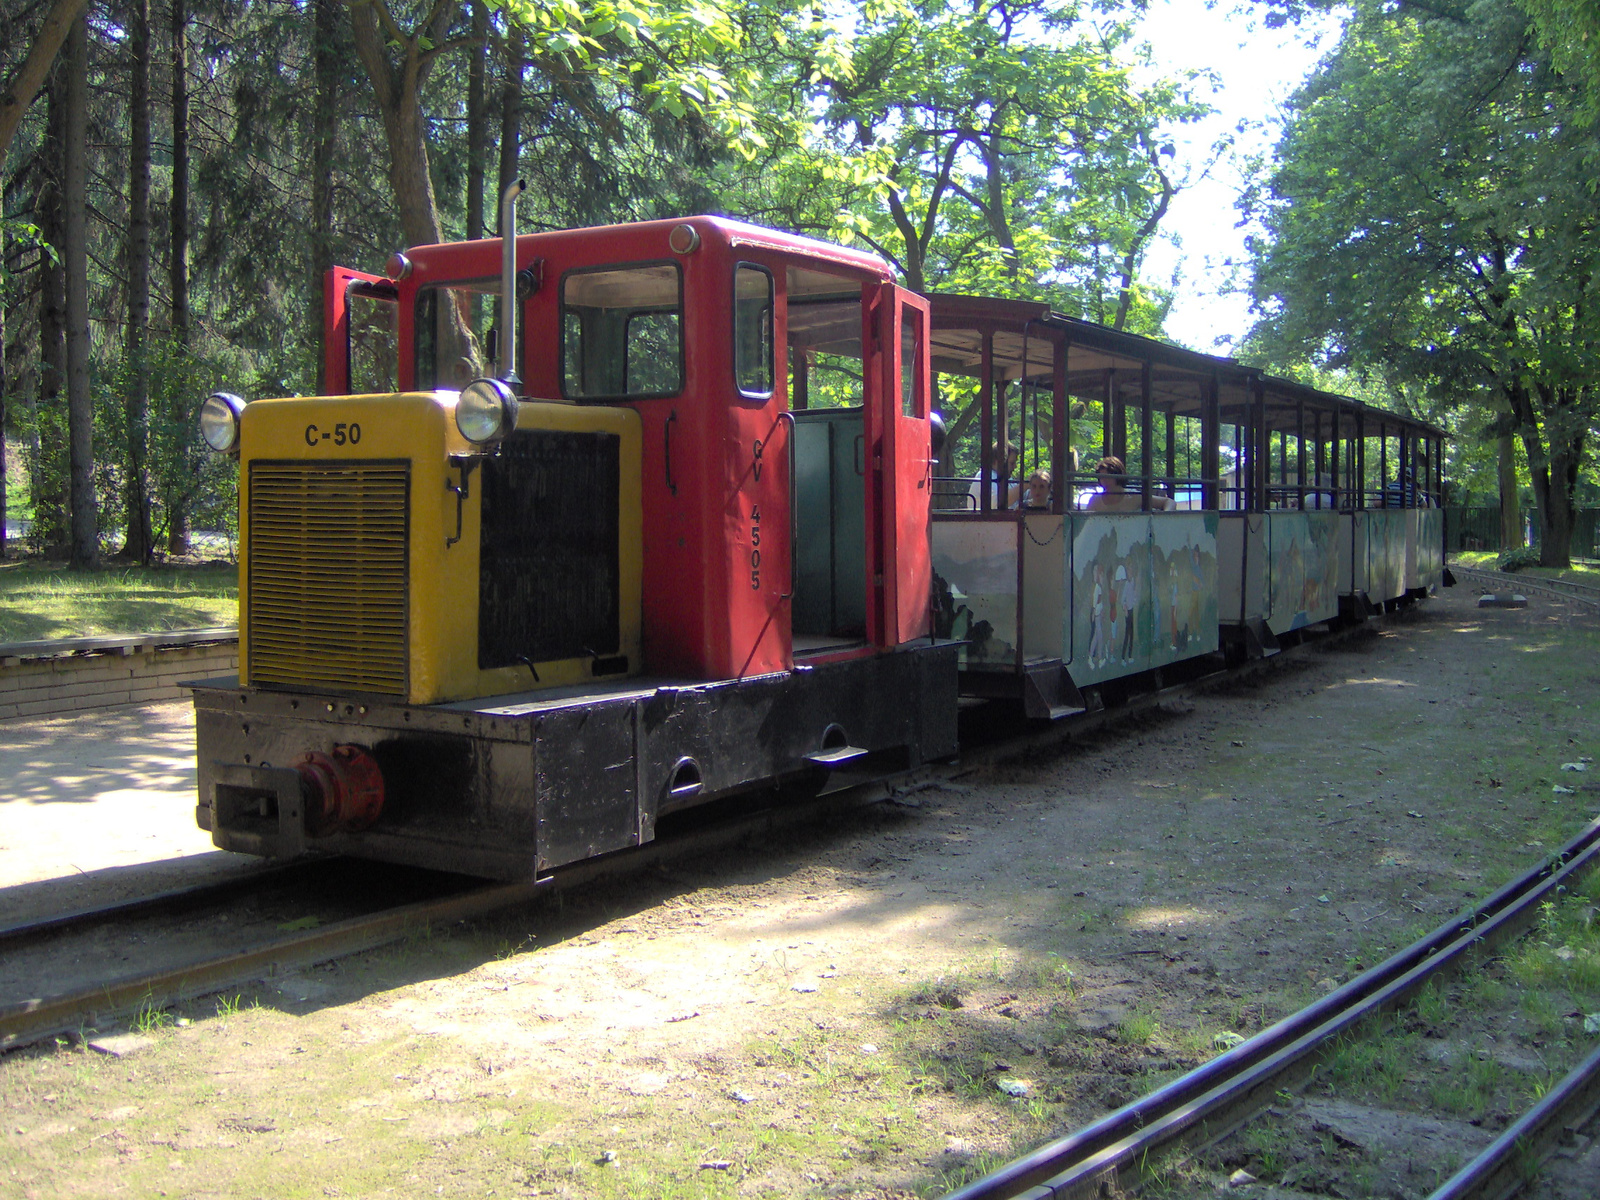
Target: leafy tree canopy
(1570, 31)
(1432, 214)
(1000, 146)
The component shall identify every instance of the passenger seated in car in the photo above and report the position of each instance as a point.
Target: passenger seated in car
(1036, 491)
(1114, 495)
(1323, 496)
(1002, 463)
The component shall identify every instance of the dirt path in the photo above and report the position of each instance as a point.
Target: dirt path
(98, 806)
(884, 1007)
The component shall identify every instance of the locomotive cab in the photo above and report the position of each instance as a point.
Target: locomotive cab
(778, 384)
(692, 561)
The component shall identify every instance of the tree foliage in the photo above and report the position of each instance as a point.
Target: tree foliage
(1432, 214)
(995, 145)
(998, 147)
(1570, 32)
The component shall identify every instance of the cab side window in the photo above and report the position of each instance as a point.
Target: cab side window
(622, 332)
(453, 326)
(752, 331)
(374, 338)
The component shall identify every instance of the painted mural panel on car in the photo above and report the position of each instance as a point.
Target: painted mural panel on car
(975, 589)
(1386, 553)
(1303, 579)
(1144, 592)
(1428, 549)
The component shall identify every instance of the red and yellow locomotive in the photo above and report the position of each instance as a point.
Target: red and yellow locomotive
(506, 601)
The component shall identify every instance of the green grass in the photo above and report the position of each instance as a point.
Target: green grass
(1138, 1029)
(19, 504)
(39, 601)
(1484, 560)
(1530, 998)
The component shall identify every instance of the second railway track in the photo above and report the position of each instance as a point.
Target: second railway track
(1558, 588)
(1209, 1102)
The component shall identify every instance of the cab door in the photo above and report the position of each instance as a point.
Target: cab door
(360, 334)
(895, 367)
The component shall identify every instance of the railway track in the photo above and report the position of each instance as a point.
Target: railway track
(171, 901)
(1504, 1166)
(1208, 1103)
(71, 1009)
(1501, 580)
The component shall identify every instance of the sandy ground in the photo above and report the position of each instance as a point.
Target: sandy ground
(874, 1009)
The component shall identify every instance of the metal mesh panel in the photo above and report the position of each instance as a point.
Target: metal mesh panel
(327, 562)
(549, 584)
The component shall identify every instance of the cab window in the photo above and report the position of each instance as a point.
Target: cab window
(454, 323)
(373, 328)
(752, 331)
(622, 332)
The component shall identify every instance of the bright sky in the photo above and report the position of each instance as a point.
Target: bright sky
(1258, 68)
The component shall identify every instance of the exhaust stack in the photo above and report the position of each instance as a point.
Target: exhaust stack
(506, 349)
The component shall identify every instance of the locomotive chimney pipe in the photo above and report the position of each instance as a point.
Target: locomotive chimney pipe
(506, 348)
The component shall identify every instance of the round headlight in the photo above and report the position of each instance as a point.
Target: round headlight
(486, 411)
(219, 421)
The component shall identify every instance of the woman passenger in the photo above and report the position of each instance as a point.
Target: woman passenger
(1114, 495)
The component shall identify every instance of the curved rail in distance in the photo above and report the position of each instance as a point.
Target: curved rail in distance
(1561, 588)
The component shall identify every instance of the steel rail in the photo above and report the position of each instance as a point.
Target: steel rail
(173, 899)
(1218, 1096)
(1560, 588)
(64, 1012)
(1504, 1167)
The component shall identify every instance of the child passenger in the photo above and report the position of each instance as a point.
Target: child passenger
(1036, 492)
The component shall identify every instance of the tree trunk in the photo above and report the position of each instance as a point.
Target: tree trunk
(477, 122)
(410, 175)
(999, 224)
(5, 529)
(1146, 231)
(138, 544)
(1555, 492)
(511, 113)
(956, 431)
(913, 262)
(1510, 500)
(27, 80)
(1553, 471)
(48, 444)
(75, 256)
(178, 272)
(397, 87)
(324, 140)
(178, 277)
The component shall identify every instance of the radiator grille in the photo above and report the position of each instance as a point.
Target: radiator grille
(327, 575)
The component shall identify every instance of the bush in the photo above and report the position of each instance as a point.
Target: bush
(1515, 560)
